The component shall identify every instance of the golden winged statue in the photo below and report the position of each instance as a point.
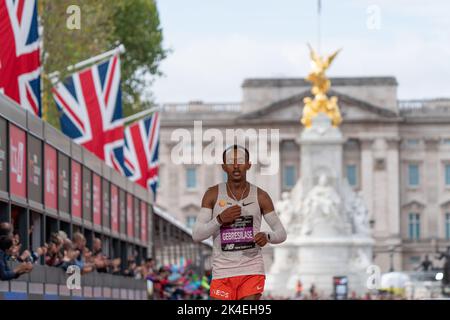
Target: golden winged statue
(321, 85)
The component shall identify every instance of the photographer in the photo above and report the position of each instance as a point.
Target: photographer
(6, 245)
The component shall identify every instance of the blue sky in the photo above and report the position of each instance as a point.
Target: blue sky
(216, 44)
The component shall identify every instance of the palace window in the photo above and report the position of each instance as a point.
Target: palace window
(190, 221)
(447, 226)
(413, 175)
(351, 174)
(191, 178)
(412, 142)
(414, 226)
(447, 174)
(289, 176)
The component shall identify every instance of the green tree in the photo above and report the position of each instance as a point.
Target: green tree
(104, 23)
(137, 27)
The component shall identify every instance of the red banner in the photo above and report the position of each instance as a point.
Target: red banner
(114, 208)
(76, 189)
(143, 221)
(17, 161)
(129, 215)
(96, 199)
(50, 180)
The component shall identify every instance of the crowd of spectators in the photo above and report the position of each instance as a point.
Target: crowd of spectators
(61, 251)
(166, 282)
(178, 282)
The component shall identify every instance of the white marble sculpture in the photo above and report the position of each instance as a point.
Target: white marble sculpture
(360, 216)
(359, 260)
(321, 203)
(285, 208)
(356, 211)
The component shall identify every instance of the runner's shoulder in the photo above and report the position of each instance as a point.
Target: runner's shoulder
(262, 194)
(265, 201)
(210, 196)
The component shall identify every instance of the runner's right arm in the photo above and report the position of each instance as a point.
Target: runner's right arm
(205, 225)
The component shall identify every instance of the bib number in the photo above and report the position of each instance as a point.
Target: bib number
(238, 235)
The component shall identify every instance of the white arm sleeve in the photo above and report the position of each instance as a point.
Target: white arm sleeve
(204, 226)
(278, 234)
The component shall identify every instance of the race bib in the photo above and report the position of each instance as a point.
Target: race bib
(239, 235)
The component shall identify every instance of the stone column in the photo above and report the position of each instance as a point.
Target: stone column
(393, 187)
(367, 168)
(431, 182)
(393, 198)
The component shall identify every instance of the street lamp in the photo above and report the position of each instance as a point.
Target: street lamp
(391, 258)
(372, 223)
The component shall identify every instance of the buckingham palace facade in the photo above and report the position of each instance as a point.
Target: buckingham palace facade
(397, 153)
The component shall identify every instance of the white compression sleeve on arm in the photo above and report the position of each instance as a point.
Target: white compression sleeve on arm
(278, 234)
(205, 225)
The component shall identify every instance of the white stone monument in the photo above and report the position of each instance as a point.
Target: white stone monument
(326, 221)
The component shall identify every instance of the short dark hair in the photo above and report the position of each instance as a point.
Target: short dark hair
(6, 242)
(235, 147)
(5, 229)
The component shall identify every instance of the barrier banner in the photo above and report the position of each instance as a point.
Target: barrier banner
(76, 189)
(17, 154)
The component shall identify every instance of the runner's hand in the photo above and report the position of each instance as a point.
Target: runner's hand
(230, 214)
(261, 239)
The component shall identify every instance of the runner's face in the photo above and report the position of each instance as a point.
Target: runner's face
(236, 165)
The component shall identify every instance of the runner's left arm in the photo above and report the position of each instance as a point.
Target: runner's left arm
(278, 233)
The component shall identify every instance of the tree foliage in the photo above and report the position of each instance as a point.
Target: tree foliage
(104, 24)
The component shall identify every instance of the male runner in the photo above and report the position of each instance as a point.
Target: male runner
(231, 212)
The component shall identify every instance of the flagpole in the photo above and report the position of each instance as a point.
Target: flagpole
(119, 49)
(44, 105)
(319, 9)
(141, 114)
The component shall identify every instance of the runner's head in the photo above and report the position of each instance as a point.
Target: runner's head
(236, 162)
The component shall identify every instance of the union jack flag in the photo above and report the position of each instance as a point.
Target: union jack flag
(20, 65)
(90, 108)
(141, 152)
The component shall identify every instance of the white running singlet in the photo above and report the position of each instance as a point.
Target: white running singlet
(234, 250)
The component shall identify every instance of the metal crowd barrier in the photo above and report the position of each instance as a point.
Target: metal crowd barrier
(46, 282)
